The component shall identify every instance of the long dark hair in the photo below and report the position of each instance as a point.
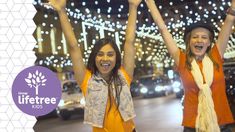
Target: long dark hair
(189, 54)
(114, 77)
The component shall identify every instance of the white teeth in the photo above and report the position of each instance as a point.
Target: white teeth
(198, 47)
(105, 64)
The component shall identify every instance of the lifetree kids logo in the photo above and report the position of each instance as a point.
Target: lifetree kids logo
(36, 91)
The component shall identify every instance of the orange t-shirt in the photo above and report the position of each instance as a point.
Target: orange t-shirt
(191, 90)
(113, 121)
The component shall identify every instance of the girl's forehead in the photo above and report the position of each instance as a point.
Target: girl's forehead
(200, 30)
(107, 47)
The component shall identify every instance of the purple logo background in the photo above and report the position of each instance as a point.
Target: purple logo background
(49, 91)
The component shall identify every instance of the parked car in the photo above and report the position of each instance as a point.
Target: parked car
(72, 100)
(178, 88)
(152, 86)
(52, 114)
(135, 88)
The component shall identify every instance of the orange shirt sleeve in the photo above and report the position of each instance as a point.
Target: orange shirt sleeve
(127, 77)
(182, 59)
(85, 82)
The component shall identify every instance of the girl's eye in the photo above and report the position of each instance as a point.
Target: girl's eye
(204, 37)
(110, 54)
(100, 54)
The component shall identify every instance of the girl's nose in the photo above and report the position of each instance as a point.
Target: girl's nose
(105, 57)
(199, 39)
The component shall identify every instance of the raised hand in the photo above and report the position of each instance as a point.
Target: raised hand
(149, 1)
(134, 2)
(167, 37)
(226, 31)
(233, 4)
(75, 52)
(58, 5)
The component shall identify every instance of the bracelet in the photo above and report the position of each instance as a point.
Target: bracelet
(231, 11)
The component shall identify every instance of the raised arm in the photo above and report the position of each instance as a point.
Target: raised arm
(129, 49)
(226, 31)
(167, 37)
(74, 48)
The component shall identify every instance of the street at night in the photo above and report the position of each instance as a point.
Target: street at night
(162, 114)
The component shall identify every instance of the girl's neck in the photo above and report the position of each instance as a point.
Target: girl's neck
(199, 58)
(106, 77)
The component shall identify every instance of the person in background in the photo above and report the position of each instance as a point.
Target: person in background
(206, 108)
(105, 81)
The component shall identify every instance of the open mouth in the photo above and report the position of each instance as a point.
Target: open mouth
(105, 65)
(198, 47)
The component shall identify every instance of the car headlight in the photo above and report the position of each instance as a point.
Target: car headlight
(159, 88)
(176, 89)
(143, 90)
(61, 103)
(176, 84)
(82, 101)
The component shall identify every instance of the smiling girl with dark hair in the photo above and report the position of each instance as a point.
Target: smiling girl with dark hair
(105, 82)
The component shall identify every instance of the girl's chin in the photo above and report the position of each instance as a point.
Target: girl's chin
(199, 53)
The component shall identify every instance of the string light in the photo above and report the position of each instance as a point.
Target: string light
(110, 20)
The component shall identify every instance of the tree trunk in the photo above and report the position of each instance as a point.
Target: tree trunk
(36, 90)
